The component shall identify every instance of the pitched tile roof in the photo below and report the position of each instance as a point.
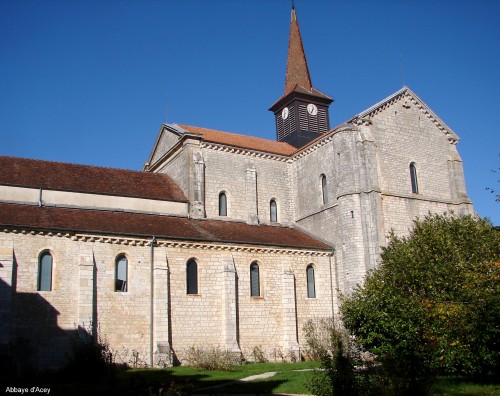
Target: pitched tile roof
(87, 179)
(242, 141)
(146, 225)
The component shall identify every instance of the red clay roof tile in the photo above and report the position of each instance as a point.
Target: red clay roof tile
(242, 141)
(146, 225)
(87, 179)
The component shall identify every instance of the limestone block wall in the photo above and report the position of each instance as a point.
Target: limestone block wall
(400, 212)
(307, 187)
(352, 220)
(405, 134)
(200, 320)
(178, 169)
(223, 314)
(123, 318)
(42, 321)
(249, 182)
(82, 299)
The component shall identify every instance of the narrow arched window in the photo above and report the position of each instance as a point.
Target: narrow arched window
(311, 286)
(254, 280)
(192, 277)
(222, 204)
(324, 189)
(273, 209)
(413, 178)
(121, 273)
(45, 272)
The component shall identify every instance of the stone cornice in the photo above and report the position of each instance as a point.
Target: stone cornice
(426, 198)
(409, 95)
(321, 141)
(131, 241)
(244, 151)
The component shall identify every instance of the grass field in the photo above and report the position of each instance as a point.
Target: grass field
(290, 378)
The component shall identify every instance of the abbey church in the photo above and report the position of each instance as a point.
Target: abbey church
(223, 240)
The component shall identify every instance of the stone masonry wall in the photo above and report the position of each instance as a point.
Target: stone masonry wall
(405, 134)
(83, 298)
(235, 174)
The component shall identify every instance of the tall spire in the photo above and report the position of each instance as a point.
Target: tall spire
(297, 72)
(301, 113)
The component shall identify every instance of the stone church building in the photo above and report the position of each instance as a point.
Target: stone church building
(223, 240)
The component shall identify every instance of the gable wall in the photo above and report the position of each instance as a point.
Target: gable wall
(404, 135)
(167, 141)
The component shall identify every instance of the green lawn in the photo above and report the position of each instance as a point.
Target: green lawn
(288, 380)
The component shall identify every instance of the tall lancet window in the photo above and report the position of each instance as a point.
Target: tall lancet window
(273, 208)
(45, 272)
(254, 280)
(121, 273)
(311, 283)
(222, 204)
(324, 189)
(192, 277)
(413, 178)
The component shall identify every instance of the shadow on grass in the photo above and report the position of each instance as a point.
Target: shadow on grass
(239, 387)
(463, 386)
(122, 382)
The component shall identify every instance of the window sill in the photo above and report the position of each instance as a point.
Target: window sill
(257, 297)
(193, 295)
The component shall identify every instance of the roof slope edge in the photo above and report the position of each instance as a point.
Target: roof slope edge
(452, 136)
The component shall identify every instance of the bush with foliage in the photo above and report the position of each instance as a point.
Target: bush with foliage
(318, 335)
(345, 369)
(212, 359)
(433, 304)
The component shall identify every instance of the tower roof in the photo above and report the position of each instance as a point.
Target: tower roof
(298, 80)
(297, 72)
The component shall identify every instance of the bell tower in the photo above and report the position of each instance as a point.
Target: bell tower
(302, 112)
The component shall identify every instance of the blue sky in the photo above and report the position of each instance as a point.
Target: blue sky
(91, 81)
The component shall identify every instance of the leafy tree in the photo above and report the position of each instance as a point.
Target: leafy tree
(433, 304)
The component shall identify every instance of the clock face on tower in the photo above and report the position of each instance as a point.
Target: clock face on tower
(312, 109)
(284, 113)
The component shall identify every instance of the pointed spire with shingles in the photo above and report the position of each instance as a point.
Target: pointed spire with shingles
(297, 72)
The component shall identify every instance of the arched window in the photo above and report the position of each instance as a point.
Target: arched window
(324, 189)
(192, 277)
(121, 273)
(273, 209)
(45, 272)
(413, 178)
(311, 287)
(222, 204)
(254, 280)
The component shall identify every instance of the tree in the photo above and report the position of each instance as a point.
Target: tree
(433, 304)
